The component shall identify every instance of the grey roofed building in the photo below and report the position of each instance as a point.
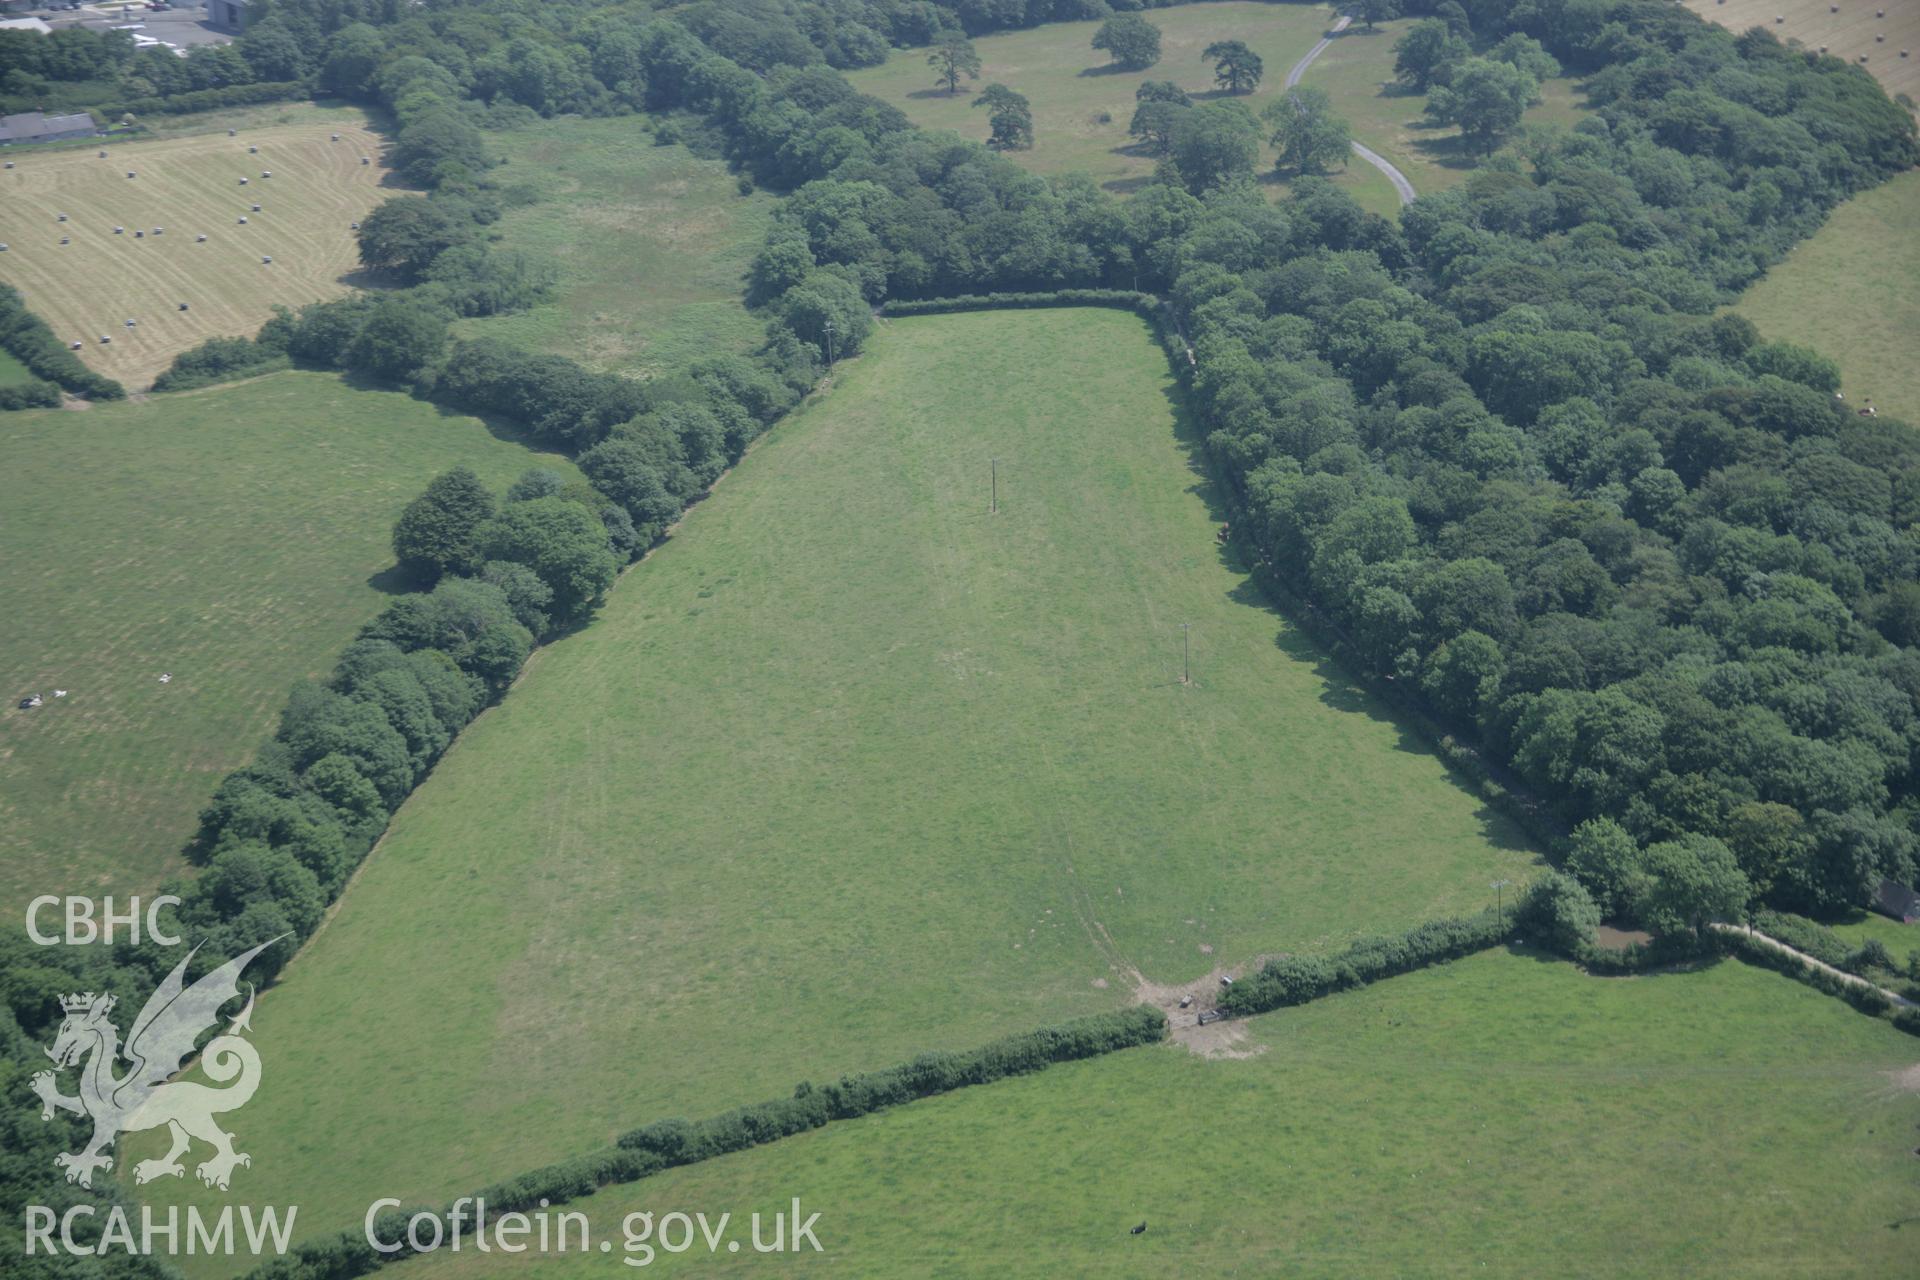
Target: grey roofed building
(34, 126)
(228, 13)
(1892, 898)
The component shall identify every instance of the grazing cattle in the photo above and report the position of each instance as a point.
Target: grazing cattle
(1139, 1229)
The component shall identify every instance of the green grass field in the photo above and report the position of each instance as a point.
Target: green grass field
(852, 769)
(1071, 87)
(1852, 292)
(1860, 925)
(650, 246)
(189, 184)
(12, 372)
(1501, 1116)
(228, 537)
(1357, 73)
(1070, 90)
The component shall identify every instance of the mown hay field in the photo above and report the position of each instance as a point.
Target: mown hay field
(1876, 30)
(189, 186)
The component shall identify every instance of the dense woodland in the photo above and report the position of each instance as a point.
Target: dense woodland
(1644, 558)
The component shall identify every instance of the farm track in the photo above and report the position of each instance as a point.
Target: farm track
(88, 289)
(1374, 158)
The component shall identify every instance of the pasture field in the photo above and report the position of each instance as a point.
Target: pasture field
(12, 372)
(1505, 1115)
(234, 538)
(650, 245)
(1860, 925)
(1850, 34)
(852, 769)
(1357, 73)
(1071, 88)
(1852, 292)
(190, 186)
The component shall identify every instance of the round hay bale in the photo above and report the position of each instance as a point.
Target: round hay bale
(252, 151)
(354, 225)
(256, 208)
(158, 230)
(199, 239)
(139, 235)
(244, 181)
(3, 248)
(9, 164)
(232, 132)
(365, 160)
(119, 230)
(129, 324)
(130, 173)
(103, 155)
(266, 261)
(104, 339)
(336, 137)
(66, 240)
(1880, 38)
(243, 219)
(62, 217)
(74, 346)
(183, 306)
(266, 173)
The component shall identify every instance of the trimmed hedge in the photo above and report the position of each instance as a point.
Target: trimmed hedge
(667, 1144)
(1802, 934)
(1866, 998)
(1292, 980)
(681, 1142)
(46, 357)
(1125, 299)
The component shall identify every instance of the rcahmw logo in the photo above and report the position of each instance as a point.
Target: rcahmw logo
(144, 1097)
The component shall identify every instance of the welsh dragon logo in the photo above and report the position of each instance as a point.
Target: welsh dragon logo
(161, 1038)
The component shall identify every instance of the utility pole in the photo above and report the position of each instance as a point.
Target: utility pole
(993, 504)
(1186, 665)
(1499, 888)
(829, 350)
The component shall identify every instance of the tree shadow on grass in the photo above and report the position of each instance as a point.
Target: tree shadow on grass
(1340, 688)
(922, 94)
(1127, 186)
(395, 581)
(1110, 69)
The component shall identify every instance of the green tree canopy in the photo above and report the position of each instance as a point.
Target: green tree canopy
(1132, 41)
(952, 57)
(1236, 68)
(1009, 118)
(1308, 135)
(438, 532)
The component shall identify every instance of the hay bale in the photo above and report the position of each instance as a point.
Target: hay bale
(66, 240)
(63, 217)
(365, 160)
(183, 306)
(266, 261)
(199, 239)
(232, 132)
(256, 208)
(244, 181)
(336, 137)
(266, 173)
(243, 219)
(253, 151)
(74, 346)
(119, 230)
(129, 173)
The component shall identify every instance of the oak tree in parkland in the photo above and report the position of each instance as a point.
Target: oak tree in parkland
(1236, 68)
(1427, 53)
(1484, 98)
(1372, 11)
(1309, 136)
(1009, 118)
(951, 57)
(1133, 42)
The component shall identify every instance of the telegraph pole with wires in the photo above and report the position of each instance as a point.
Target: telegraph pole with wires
(993, 502)
(1186, 664)
(829, 351)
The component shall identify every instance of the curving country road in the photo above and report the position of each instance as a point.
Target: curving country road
(1374, 158)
